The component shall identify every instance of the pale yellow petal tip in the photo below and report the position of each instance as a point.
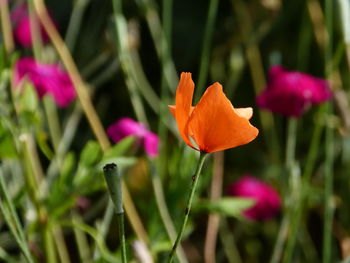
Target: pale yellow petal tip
(246, 113)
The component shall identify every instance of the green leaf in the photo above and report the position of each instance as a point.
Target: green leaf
(28, 99)
(91, 154)
(228, 206)
(120, 148)
(42, 140)
(7, 145)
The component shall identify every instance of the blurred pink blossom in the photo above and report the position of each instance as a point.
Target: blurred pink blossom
(267, 199)
(291, 93)
(21, 24)
(47, 79)
(128, 127)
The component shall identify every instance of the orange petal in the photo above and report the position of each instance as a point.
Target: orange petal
(172, 109)
(183, 101)
(216, 125)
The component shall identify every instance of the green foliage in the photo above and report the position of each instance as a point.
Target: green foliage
(227, 206)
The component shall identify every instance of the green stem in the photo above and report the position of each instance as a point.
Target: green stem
(34, 176)
(35, 31)
(164, 212)
(228, 242)
(53, 123)
(75, 23)
(329, 203)
(291, 142)
(329, 146)
(286, 221)
(209, 28)
(188, 205)
(281, 237)
(12, 219)
(120, 219)
(114, 182)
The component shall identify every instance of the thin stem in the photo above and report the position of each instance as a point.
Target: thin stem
(6, 26)
(35, 31)
(75, 23)
(281, 237)
(81, 239)
(205, 55)
(120, 219)
(329, 144)
(155, 28)
(228, 242)
(164, 212)
(329, 203)
(291, 142)
(188, 205)
(12, 220)
(286, 221)
(53, 123)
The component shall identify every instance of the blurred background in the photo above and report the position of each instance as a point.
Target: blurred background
(124, 59)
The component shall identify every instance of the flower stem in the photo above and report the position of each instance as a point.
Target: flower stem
(114, 182)
(188, 205)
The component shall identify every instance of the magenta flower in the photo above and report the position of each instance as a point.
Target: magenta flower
(21, 25)
(128, 127)
(291, 93)
(47, 79)
(267, 199)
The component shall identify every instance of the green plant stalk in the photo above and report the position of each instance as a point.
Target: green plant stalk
(35, 32)
(33, 174)
(291, 142)
(104, 226)
(120, 219)
(329, 203)
(281, 237)
(228, 242)
(188, 205)
(329, 145)
(306, 175)
(114, 183)
(286, 221)
(75, 23)
(13, 221)
(158, 35)
(205, 55)
(81, 240)
(53, 124)
(164, 212)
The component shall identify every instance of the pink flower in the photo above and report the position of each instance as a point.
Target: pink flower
(128, 127)
(21, 24)
(47, 79)
(267, 199)
(291, 93)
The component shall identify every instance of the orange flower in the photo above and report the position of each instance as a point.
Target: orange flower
(214, 124)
